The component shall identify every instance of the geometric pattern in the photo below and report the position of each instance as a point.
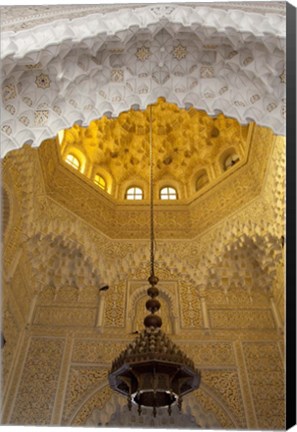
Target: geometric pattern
(78, 70)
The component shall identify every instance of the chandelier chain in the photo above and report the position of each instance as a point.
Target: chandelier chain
(152, 233)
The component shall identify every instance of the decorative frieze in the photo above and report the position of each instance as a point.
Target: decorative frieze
(65, 316)
(208, 353)
(96, 350)
(252, 319)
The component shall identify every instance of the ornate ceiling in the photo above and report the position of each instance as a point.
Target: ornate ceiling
(186, 143)
(76, 70)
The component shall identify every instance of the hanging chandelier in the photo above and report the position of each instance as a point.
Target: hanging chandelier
(152, 371)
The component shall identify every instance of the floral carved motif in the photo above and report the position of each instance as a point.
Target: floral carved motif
(143, 53)
(43, 81)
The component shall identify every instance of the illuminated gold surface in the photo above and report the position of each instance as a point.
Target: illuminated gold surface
(184, 141)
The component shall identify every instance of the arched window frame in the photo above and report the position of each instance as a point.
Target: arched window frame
(168, 193)
(100, 181)
(134, 193)
(73, 161)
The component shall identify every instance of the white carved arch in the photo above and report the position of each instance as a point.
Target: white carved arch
(80, 69)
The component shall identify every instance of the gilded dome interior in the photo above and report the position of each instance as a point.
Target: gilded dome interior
(191, 150)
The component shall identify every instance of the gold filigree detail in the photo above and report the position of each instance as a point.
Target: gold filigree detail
(43, 81)
(117, 75)
(9, 92)
(41, 117)
(179, 52)
(143, 53)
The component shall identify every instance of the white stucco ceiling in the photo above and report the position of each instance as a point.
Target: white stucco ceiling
(76, 69)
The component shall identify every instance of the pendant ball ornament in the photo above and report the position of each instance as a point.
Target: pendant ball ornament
(152, 371)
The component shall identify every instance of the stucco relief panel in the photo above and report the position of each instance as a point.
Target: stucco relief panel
(209, 405)
(225, 384)
(266, 376)
(96, 350)
(241, 319)
(190, 307)
(98, 400)
(37, 389)
(21, 291)
(82, 381)
(208, 353)
(11, 332)
(114, 315)
(65, 316)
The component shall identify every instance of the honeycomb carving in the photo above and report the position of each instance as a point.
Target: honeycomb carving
(108, 79)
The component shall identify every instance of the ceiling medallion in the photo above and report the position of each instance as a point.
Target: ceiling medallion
(152, 371)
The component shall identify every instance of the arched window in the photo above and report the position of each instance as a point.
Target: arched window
(168, 193)
(73, 161)
(99, 181)
(202, 180)
(230, 160)
(134, 193)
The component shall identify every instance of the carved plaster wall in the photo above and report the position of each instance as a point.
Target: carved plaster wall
(217, 288)
(219, 257)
